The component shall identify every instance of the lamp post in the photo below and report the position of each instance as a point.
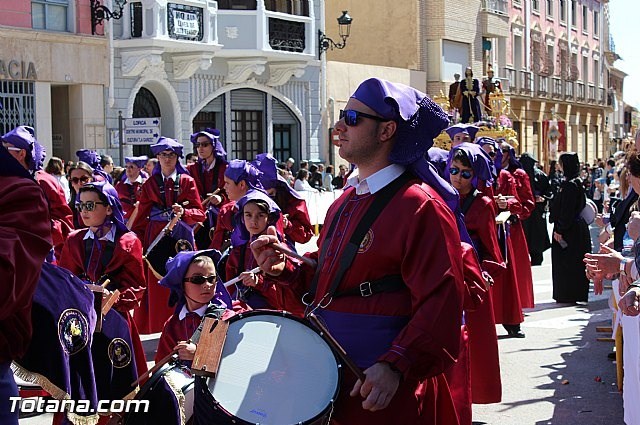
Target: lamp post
(344, 28)
(100, 12)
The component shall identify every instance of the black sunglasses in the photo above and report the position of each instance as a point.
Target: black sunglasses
(351, 117)
(76, 180)
(89, 205)
(202, 145)
(466, 174)
(505, 150)
(199, 280)
(492, 154)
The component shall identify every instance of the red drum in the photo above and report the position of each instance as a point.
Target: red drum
(275, 369)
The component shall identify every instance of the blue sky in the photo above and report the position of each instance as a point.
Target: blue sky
(625, 29)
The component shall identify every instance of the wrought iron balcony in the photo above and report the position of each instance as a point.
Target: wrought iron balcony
(591, 93)
(557, 88)
(496, 6)
(580, 93)
(569, 90)
(526, 82)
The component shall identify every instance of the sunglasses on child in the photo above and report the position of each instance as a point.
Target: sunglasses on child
(199, 280)
(351, 117)
(465, 174)
(202, 145)
(83, 179)
(89, 205)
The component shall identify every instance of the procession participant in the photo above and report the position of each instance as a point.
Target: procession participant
(169, 190)
(520, 211)
(79, 173)
(489, 85)
(130, 187)
(256, 212)
(470, 169)
(208, 172)
(396, 306)
(460, 133)
(239, 177)
(93, 159)
(107, 250)
(535, 227)
(470, 89)
(23, 146)
(295, 216)
(25, 240)
(454, 97)
(507, 309)
(195, 289)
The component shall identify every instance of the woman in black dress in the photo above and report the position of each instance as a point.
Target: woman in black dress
(571, 240)
(535, 227)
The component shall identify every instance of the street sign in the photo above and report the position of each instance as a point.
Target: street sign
(141, 131)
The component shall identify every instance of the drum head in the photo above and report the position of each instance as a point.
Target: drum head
(275, 370)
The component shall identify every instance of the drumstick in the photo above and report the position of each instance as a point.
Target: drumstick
(238, 278)
(105, 283)
(211, 195)
(155, 367)
(337, 348)
(278, 247)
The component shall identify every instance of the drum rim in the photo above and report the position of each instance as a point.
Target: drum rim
(305, 322)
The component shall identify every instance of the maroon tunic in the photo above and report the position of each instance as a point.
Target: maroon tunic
(155, 310)
(61, 214)
(224, 225)
(299, 228)
(125, 271)
(25, 240)
(278, 297)
(523, 263)
(506, 299)
(429, 263)
(129, 193)
(207, 181)
(486, 386)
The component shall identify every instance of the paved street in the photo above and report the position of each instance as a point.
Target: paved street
(550, 376)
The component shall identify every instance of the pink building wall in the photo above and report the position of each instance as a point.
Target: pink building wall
(17, 14)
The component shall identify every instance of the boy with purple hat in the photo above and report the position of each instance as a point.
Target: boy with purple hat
(460, 133)
(130, 187)
(107, 250)
(23, 146)
(208, 172)
(93, 159)
(169, 190)
(392, 298)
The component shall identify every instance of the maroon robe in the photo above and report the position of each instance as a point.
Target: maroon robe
(486, 386)
(128, 193)
(278, 297)
(224, 225)
(209, 180)
(506, 299)
(125, 270)
(25, 241)
(61, 214)
(429, 262)
(521, 249)
(155, 310)
(299, 228)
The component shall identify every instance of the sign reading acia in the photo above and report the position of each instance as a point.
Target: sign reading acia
(17, 70)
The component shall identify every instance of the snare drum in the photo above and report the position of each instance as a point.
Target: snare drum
(170, 394)
(275, 369)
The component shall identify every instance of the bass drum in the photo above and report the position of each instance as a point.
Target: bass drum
(275, 370)
(170, 395)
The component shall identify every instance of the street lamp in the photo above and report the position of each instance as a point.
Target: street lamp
(100, 12)
(344, 28)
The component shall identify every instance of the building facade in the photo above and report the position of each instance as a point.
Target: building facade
(42, 84)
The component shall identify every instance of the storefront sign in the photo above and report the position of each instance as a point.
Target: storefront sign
(17, 70)
(185, 22)
(141, 131)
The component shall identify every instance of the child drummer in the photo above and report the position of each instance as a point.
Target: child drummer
(195, 290)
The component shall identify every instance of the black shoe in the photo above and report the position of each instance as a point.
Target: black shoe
(516, 333)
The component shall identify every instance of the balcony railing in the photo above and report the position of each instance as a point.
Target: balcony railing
(568, 90)
(525, 82)
(543, 85)
(496, 6)
(580, 94)
(602, 96)
(591, 92)
(557, 87)
(508, 74)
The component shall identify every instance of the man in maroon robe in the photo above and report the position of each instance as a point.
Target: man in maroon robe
(25, 240)
(404, 335)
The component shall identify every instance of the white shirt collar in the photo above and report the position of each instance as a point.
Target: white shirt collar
(184, 311)
(138, 180)
(109, 236)
(375, 181)
(213, 164)
(172, 176)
